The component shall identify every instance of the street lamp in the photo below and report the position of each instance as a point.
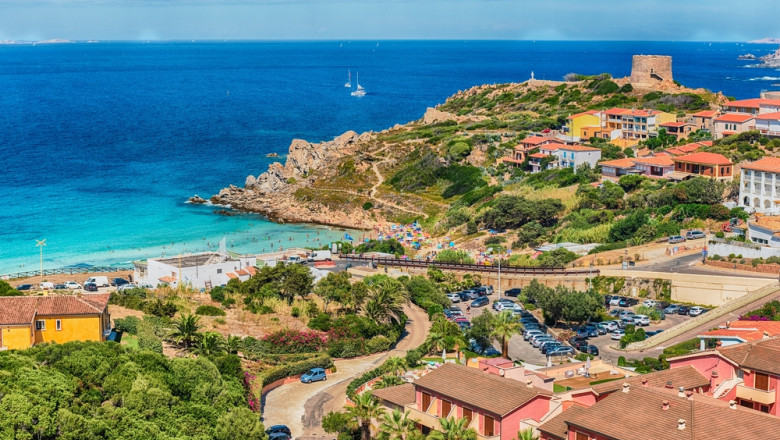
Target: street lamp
(41, 244)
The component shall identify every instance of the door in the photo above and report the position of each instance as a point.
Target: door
(446, 407)
(490, 426)
(426, 401)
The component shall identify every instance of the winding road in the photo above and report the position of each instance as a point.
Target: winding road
(302, 406)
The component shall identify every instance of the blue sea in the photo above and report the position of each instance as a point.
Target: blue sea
(102, 143)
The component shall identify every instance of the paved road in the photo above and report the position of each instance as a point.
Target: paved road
(690, 264)
(301, 406)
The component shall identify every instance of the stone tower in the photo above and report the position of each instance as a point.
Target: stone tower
(651, 70)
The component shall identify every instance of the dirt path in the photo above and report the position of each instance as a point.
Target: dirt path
(302, 406)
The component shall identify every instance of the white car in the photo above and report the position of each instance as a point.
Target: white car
(642, 320)
(614, 301)
(453, 297)
(72, 285)
(649, 303)
(617, 334)
(696, 311)
(611, 326)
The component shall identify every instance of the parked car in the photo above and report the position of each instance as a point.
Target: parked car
(683, 310)
(592, 331)
(582, 333)
(485, 351)
(653, 332)
(649, 303)
(625, 313)
(609, 326)
(592, 349)
(615, 312)
(538, 341)
(615, 300)
(59, 287)
(119, 282)
(453, 297)
(642, 320)
(472, 294)
(696, 311)
(464, 325)
(672, 308)
(601, 328)
(482, 301)
(463, 296)
(561, 351)
(620, 323)
(72, 285)
(24, 287)
(693, 235)
(549, 346)
(628, 320)
(90, 287)
(578, 343)
(529, 333)
(676, 239)
(279, 436)
(278, 428)
(314, 375)
(628, 302)
(513, 292)
(617, 334)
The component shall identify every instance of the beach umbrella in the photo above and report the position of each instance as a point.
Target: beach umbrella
(452, 244)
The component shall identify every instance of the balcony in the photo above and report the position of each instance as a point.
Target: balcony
(756, 395)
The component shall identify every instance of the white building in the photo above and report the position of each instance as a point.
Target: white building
(564, 156)
(765, 230)
(759, 188)
(769, 124)
(204, 270)
(732, 123)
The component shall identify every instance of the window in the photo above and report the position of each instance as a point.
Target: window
(446, 407)
(426, 401)
(468, 415)
(581, 436)
(746, 403)
(219, 270)
(490, 426)
(761, 380)
(764, 408)
(59, 325)
(740, 374)
(40, 325)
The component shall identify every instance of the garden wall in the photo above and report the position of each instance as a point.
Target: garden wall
(726, 249)
(761, 268)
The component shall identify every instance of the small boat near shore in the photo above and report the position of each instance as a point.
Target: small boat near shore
(349, 80)
(272, 155)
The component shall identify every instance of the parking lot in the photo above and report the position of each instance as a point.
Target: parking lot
(522, 350)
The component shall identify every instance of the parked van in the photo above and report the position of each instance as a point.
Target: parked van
(320, 256)
(100, 281)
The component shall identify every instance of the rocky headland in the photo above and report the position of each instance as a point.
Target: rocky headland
(771, 60)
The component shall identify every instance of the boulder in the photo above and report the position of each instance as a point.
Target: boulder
(197, 200)
(250, 182)
(305, 156)
(272, 180)
(434, 116)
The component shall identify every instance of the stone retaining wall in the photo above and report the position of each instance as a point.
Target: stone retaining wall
(761, 268)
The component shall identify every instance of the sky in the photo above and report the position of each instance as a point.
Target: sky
(655, 20)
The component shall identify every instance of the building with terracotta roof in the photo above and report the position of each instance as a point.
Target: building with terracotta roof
(680, 130)
(204, 270)
(703, 119)
(635, 124)
(494, 406)
(754, 106)
(651, 166)
(759, 187)
(618, 167)
(747, 373)
(765, 230)
(525, 146)
(737, 332)
(703, 164)
(29, 320)
(583, 121)
(564, 156)
(732, 123)
(643, 413)
(768, 124)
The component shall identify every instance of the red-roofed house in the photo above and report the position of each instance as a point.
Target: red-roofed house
(759, 187)
(712, 165)
(769, 124)
(580, 121)
(526, 146)
(747, 106)
(618, 167)
(564, 156)
(29, 320)
(703, 119)
(748, 373)
(732, 123)
(737, 332)
(680, 130)
(657, 166)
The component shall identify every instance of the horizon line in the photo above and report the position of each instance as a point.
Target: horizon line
(350, 40)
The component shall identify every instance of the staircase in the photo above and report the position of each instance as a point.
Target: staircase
(725, 387)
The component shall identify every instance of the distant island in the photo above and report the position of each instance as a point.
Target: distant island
(765, 41)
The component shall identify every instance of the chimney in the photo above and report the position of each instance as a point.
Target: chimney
(529, 383)
(714, 373)
(681, 392)
(689, 395)
(644, 382)
(626, 387)
(681, 424)
(665, 405)
(733, 404)
(669, 384)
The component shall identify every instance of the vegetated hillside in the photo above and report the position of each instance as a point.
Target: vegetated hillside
(100, 390)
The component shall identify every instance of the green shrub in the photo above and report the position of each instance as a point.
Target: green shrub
(321, 322)
(413, 357)
(217, 294)
(434, 309)
(147, 340)
(294, 368)
(207, 310)
(296, 312)
(378, 343)
(160, 308)
(367, 206)
(128, 324)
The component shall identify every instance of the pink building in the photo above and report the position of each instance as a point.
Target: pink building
(748, 373)
(732, 123)
(495, 407)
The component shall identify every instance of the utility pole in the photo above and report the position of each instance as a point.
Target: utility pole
(499, 278)
(41, 244)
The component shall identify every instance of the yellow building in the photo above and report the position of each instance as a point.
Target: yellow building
(29, 320)
(582, 120)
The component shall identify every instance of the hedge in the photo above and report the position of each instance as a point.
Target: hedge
(207, 310)
(292, 369)
(365, 377)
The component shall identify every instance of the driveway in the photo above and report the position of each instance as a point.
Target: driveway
(302, 406)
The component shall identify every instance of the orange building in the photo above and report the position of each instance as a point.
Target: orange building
(712, 165)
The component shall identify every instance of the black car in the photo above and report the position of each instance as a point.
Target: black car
(119, 282)
(91, 287)
(578, 343)
(463, 296)
(278, 428)
(24, 287)
(279, 436)
(628, 302)
(683, 310)
(513, 292)
(59, 287)
(592, 349)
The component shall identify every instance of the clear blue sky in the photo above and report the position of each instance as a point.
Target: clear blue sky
(677, 20)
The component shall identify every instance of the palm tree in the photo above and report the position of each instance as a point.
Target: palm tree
(526, 434)
(395, 365)
(444, 334)
(232, 344)
(209, 343)
(385, 300)
(454, 429)
(504, 327)
(186, 329)
(366, 408)
(388, 381)
(396, 425)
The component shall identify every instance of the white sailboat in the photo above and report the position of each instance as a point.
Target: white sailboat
(360, 91)
(349, 80)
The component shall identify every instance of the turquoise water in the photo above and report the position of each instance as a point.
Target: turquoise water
(103, 143)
